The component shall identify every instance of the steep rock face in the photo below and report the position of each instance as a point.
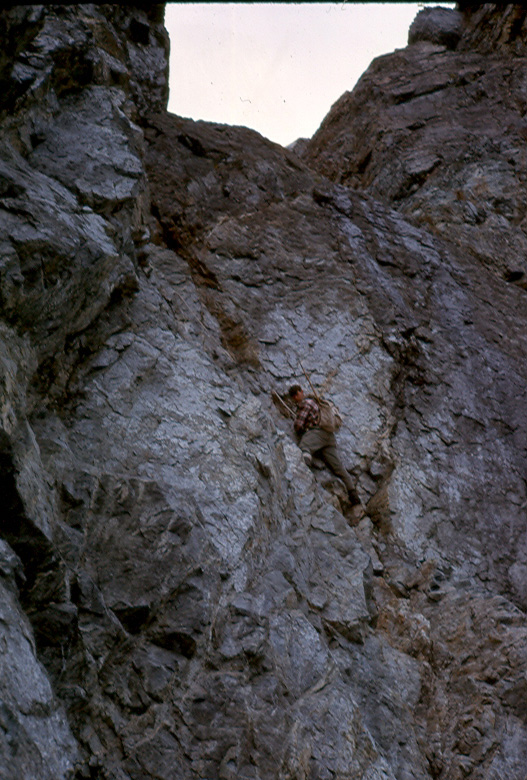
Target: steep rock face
(72, 183)
(206, 606)
(440, 134)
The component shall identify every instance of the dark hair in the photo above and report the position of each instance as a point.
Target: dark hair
(293, 390)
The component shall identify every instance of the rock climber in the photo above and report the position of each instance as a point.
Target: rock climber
(314, 440)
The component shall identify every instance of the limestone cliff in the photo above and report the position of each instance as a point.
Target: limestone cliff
(182, 597)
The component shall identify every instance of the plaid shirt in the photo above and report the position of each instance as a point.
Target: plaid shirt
(308, 415)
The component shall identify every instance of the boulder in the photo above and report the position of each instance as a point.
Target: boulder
(440, 26)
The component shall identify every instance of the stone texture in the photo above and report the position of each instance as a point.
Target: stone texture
(437, 25)
(31, 718)
(441, 132)
(182, 597)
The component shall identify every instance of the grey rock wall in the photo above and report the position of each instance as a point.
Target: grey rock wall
(440, 134)
(184, 598)
(35, 739)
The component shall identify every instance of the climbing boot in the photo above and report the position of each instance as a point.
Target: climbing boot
(352, 493)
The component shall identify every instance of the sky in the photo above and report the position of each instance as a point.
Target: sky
(275, 67)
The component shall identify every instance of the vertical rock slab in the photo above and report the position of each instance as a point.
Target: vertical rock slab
(36, 740)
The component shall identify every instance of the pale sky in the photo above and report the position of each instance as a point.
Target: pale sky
(276, 67)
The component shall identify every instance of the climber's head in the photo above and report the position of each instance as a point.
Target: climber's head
(296, 394)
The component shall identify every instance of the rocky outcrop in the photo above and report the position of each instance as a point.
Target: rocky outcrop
(75, 80)
(440, 134)
(438, 25)
(184, 598)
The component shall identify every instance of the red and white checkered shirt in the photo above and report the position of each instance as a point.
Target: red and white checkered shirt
(308, 415)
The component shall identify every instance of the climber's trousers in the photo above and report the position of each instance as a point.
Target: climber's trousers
(324, 445)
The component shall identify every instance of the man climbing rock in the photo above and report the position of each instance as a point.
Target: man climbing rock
(315, 440)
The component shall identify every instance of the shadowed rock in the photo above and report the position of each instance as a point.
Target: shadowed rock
(437, 25)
